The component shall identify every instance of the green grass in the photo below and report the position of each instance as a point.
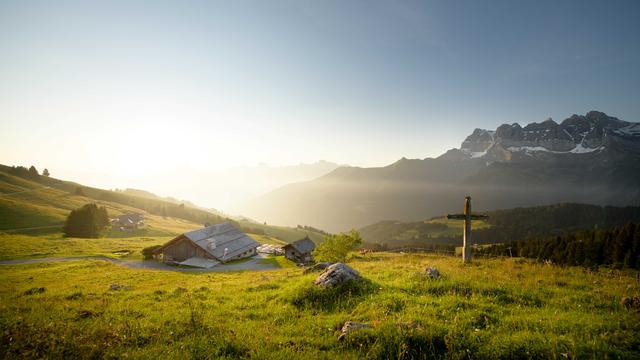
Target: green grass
(55, 245)
(279, 261)
(501, 308)
(266, 239)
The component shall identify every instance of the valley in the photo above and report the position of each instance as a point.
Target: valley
(586, 159)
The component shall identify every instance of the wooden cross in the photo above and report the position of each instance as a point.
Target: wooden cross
(467, 217)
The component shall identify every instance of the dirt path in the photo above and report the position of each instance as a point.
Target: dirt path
(253, 264)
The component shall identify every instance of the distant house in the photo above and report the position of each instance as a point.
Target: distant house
(300, 250)
(208, 246)
(128, 222)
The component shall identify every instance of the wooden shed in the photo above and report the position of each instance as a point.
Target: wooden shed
(208, 246)
(300, 250)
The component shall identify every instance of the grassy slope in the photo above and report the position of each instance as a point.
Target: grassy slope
(491, 309)
(397, 231)
(14, 246)
(25, 204)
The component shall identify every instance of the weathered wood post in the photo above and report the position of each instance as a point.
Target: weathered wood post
(466, 237)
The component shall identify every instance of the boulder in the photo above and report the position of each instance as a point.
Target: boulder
(631, 302)
(336, 274)
(117, 287)
(432, 272)
(351, 326)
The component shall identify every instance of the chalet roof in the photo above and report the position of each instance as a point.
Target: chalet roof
(130, 218)
(303, 245)
(215, 238)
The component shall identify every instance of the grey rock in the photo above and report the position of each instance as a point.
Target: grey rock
(117, 287)
(432, 272)
(631, 302)
(336, 274)
(351, 326)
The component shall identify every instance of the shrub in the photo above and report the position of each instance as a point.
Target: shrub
(335, 248)
(90, 221)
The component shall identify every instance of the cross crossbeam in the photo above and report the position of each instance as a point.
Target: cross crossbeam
(467, 216)
(463, 217)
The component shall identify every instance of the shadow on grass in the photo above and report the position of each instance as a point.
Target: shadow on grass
(421, 285)
(347, 295)
(391, 342)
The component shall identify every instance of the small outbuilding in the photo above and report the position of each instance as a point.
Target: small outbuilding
(128, 222)
(300, 250)
(208, 246)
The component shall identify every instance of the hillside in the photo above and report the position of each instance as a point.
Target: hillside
(502, 225)
(40, 204)
(26, 204)
(592, 158)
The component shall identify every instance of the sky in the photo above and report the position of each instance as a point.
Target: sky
(127, 93)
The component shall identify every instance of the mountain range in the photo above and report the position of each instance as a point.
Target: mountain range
(592, 158)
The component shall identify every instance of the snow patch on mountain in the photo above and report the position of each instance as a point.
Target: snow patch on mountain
(580, 149)
(631, 130)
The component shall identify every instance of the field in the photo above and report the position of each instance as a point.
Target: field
(500, 308)
(91, 308)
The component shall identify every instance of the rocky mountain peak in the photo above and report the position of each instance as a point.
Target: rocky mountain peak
(577, 134)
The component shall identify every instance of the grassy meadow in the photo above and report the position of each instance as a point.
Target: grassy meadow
(499, 308)
(87, 308)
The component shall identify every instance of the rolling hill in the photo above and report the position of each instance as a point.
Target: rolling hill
(39, 204)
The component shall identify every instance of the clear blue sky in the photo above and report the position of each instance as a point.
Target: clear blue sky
(84, 85)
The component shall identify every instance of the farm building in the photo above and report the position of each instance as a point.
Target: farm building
(300, 250)
(127, 222)
(208, 246)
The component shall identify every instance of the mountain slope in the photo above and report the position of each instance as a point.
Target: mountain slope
(43, 202)
(591, 158)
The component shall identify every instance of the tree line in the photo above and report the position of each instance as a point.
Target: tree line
(618, 247)
(552, 220)
(31, 173)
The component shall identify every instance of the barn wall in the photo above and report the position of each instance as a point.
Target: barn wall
(292, 254)
(183, 249)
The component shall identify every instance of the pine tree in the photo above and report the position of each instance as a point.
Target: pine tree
(33, 172)
(45, 172)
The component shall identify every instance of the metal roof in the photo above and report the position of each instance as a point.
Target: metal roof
(215, 238)
(303, 245)
(130, 218)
